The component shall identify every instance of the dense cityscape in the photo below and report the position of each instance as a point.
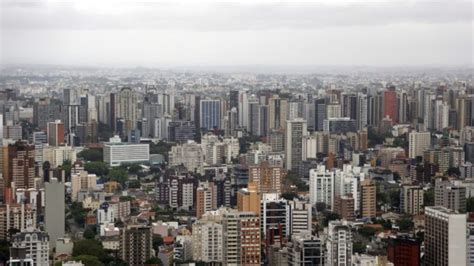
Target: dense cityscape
(326, 166)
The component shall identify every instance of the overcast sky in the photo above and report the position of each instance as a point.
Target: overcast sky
(184, 33)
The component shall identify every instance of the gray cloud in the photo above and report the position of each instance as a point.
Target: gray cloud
(230, 16)
(154, 34)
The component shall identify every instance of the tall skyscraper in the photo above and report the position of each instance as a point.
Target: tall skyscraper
(54, 219)
(445, 237)
(35, 243)
(127, 108)
(390, 108)
(19, 167)
(295, 131)
(210, 114)
(300, 217)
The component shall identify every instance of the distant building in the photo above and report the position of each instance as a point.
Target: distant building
(210, 114)
(266, 177)
(340, 125)
(411, 200)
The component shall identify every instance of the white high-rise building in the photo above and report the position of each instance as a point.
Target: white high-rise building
(418, 143)
(346, 182)
(35, 243)
(339, 244)
(445, 237)
(321, 186)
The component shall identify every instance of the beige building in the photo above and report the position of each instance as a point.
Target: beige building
(266, 177)
(418, 142)
(206, 198)
(368, 198)
(248, 199)
(82, 181)
(411, 200)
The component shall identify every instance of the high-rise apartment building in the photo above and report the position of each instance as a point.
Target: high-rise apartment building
(411, 199)
(19, 167)
(35, 244)
(296, 129)
(368, 198)
(445, 237)
(82, 181)
(206, 198)
(55, 133)
(274, 218)
(418, 142)
(248, 199)
(207, 238)
(241, 238)
(306, 249)
(267, 177)
(321, 186)
(339, 244)
(136, 244)
(450, 194)
(127, 108)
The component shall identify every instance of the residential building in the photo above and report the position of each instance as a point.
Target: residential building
(136, 245)
(117, 152)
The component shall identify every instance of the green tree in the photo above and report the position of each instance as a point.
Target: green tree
(330, 216)
(67, 166)
(98, 168)
(428, 197)
(91, 155)
(90, 232)
(154, 260)
(4, 252)
(405, 224)
(117, 174)
(88, 260)
(289, 195)
(470, 204)
(134, 184)
(157, 242)
(367, 232)
(88, 247)
(358, 247)
(78, 213)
